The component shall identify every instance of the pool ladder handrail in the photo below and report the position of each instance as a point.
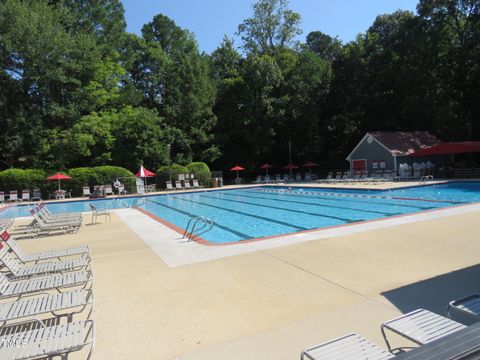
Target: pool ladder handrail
(206, 225)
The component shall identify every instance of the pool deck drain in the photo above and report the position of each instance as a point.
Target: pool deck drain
(175, 251)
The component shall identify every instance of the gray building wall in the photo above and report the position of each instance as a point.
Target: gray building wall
(371, 152)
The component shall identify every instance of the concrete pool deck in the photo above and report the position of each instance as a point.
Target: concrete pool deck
(272, 302)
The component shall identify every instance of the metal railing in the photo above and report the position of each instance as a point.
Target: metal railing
(197, 226)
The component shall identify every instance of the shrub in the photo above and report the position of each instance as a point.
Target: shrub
(108, 174)
(19, 179)
(175, 169)
(81, 177)
(201, 172)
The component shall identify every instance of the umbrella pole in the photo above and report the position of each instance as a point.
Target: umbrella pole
(59, 184)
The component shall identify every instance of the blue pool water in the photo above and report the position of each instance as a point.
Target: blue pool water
(267, 211)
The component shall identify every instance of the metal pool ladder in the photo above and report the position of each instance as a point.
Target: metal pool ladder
(197, 226)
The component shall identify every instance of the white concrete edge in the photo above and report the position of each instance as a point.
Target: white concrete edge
(175, 251)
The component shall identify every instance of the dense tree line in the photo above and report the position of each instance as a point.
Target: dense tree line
(77, 90)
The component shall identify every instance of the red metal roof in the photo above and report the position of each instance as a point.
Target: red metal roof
(402, 143)
(450, 148)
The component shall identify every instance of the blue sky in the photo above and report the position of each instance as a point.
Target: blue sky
(209, 20)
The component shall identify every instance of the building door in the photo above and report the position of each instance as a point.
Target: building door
(359, 165)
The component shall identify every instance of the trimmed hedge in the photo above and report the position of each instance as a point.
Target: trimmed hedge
(201, 172)
(19, 179)
(175, 169)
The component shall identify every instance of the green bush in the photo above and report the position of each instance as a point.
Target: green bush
(19, 179)
(201, 172)
(81, 177)
(108, 174)
(175, 169)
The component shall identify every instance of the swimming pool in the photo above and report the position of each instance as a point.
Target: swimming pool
(260, 212)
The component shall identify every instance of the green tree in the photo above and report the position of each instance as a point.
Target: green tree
(272, 26)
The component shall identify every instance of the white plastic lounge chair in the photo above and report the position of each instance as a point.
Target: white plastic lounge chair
(195, 183)
(25, 195)
(186, 184)
(37, 195)
(2, 197)
(49, 216)
(298, 177)
(86, 191)
(178, 184)
(57, 220)
(19, 270)
(48, 341)
(13, 196)
(278, 178)
(258, 180)
(421, 327)
(19, 288)
(169, 185)
(108, 189)
(96, 213)
(181, 177)
(468, 305)
(82, 251)
(350, 346)
(267, 179)
(62, 304)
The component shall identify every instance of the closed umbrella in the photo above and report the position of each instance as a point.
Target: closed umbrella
(266, 167)
(237, 168)
(58, 177)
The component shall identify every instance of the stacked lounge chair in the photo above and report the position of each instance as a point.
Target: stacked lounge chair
(31, 309)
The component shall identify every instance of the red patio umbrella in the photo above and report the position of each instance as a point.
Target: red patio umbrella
(310, 164)
(290, 167)
(237, 168)
(266, 167)
(58, 177)
(144, 172)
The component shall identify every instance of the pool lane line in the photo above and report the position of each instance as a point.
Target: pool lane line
(315, 204)
(246, 214)
(284, 209)
(370, 196)
(299, 194)
(230, 230)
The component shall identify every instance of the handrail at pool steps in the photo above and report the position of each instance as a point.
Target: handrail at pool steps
(206, 224)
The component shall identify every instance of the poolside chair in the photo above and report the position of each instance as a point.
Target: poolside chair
(86, 191)
(21, 271)
(47, 341)
(286, 178)
(32, 305)
(258, 180)
(47, 227)
(387, 175)
(346, 176)
(417, 174)
(96, 213)
(350, 346)
(186, 184)
(2, 197)
(459, 173)
(178, 184)
(168, 185)
(37, 195)
(421, 327)
(308, 177)
(12, 196)
(181, 177)
(278, 178)
(298, 177)
(329, 177)
(468, 173)
(71, 215)
(338, 176)
(195, 183)
(59, 221)
(108, 189)
(25, 195)
(468, 305)
(83, 251)
(19, 288)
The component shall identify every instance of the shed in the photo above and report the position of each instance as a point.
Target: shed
(386, 150)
